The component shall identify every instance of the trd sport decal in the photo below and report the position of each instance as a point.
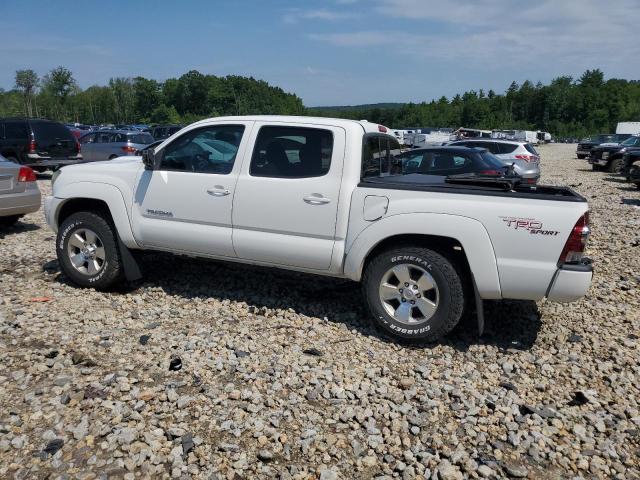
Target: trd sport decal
(533, 226)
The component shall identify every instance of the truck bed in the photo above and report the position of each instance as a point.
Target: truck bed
(433, 183)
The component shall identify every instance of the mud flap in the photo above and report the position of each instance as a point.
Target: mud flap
(131, 269)
(479, 308)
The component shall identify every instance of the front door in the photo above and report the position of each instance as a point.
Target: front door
(286, 202)
(186, 204)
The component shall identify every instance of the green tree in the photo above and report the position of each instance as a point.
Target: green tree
(26, 83)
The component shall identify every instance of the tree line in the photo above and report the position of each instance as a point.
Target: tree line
(566, 107)
(191, 97)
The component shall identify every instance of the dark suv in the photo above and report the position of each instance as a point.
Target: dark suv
(160, 132)
(584, 147)
(40, 144)
(610, 157)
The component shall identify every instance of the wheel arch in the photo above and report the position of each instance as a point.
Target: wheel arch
(103, 198)
(461, 239)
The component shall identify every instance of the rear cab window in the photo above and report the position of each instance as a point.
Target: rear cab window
(379, 156)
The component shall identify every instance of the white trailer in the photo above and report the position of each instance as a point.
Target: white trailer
(632, 128)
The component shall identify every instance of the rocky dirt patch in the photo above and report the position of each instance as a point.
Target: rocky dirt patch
(209, 370)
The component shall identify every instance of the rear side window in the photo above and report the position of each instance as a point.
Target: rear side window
(292, 152)
(530, 148)
(15, 130)
(89, 138)
(50, 132)
(506, 148)
(141, 138)
(378, 156)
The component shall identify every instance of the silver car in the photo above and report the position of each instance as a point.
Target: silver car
(109, 144)
(523, 155)
(19, 193)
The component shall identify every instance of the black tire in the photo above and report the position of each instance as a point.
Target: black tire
(111, 271)
(449, 282)
(112, 157)
(581, 157)
(9, 221)
(615, 165)
(595, 168)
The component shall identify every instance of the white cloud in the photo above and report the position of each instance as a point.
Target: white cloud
(296, 15)
(579, 33)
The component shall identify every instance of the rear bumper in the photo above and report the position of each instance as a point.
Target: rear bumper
(35, 160)
(571, 282)
(20, 203)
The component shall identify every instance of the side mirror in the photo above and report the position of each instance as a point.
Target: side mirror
(149, 159)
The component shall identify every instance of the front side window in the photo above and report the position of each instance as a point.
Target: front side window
(292, 152)
(104, 137)
(204, 150)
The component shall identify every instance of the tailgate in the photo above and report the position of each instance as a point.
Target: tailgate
(54, 140)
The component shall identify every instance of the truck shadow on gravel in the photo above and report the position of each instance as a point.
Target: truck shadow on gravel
(17, 229)
(508, 324)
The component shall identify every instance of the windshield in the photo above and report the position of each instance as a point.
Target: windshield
(629, 142)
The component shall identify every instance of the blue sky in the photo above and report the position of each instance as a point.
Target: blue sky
(329, 52)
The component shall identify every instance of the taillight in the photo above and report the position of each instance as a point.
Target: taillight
(33, 146)
(77, 146)
(129, 149)
(577, 241)
(528, 158)
(382, 129)
(26, 174)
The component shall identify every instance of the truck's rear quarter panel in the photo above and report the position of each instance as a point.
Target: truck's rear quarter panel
(525, 235)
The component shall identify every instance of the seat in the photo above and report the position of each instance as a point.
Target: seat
(277, 163)
(310, 161)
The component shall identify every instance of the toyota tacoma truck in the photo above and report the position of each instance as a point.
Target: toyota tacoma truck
(325, 196)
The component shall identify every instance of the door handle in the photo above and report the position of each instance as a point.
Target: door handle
(316, 199)
(218, 191)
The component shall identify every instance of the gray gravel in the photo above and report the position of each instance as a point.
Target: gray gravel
(279, 375)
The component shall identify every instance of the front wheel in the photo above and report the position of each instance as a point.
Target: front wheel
(87, 250)
(414, 293)
(615, 165)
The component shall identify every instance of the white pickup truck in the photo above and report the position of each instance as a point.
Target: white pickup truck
(323, 196)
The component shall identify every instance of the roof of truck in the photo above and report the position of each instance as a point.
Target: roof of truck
(368, 127)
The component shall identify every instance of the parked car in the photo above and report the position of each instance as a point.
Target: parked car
(19, 193)
(584, 147)
(610, 156)
(523, 156)
(160, 132)
(318, 195)
(448, 160)
(109, 144)
(631, 167)
(40, 144)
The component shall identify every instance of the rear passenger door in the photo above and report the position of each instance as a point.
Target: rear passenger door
(286, 201)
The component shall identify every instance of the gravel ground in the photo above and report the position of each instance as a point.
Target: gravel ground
(217, 371)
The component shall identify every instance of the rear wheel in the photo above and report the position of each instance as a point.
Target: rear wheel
(112, 157)
(87, 250)
(414, 293)
(595, 168)
(581, 157)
